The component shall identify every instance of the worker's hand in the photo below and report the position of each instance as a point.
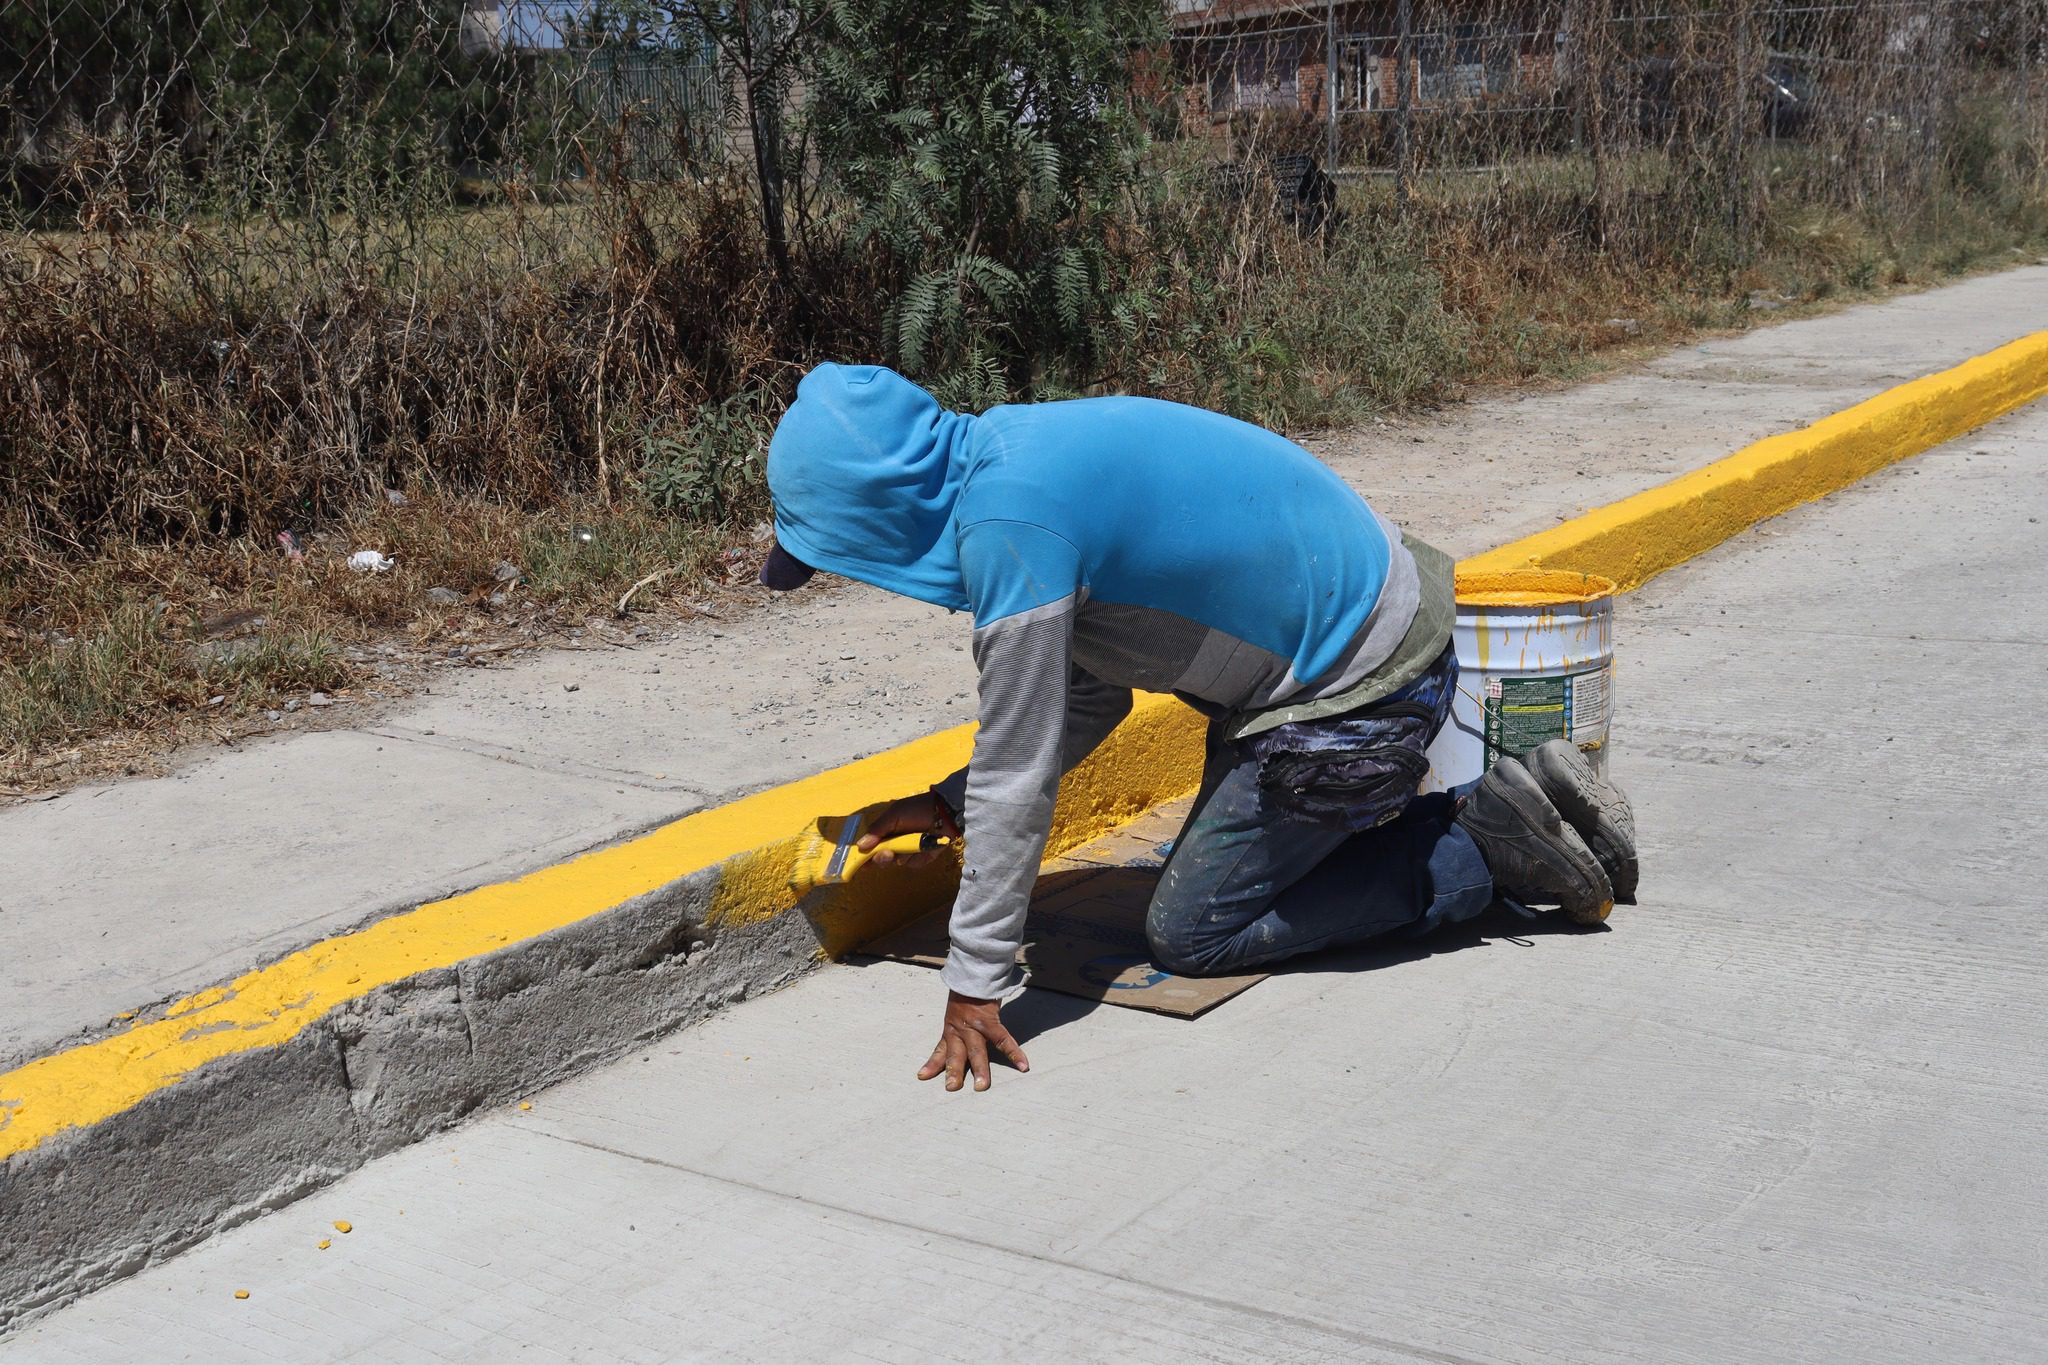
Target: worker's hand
(920, 814)
(972, 1028)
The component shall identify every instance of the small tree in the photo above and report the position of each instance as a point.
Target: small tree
(763, 44)
(985, 150)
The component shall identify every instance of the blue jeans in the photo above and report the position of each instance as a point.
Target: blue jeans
(1249, 884)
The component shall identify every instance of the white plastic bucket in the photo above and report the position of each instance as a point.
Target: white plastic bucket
(1535, 663)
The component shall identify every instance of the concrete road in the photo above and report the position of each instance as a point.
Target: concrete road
(1789, 1108)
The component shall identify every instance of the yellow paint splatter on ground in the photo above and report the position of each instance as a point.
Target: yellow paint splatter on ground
(343, 1225)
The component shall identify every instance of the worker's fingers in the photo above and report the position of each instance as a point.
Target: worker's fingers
(911, 815)
(977, 1058)
(1007, 1045)
(956, 1061)
(935, 1063)
(890, 857)
(877, 832)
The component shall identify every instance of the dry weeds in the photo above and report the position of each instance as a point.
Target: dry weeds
(110, 665)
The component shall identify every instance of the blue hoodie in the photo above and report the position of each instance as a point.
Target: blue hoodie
(1102, 544)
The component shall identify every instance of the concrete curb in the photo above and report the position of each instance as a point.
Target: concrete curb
(242, 1098)
(1634, 540)
(239, 1099)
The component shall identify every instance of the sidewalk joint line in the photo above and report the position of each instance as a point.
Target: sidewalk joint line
(1328, 1329)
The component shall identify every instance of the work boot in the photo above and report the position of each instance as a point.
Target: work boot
(1531, 852)
(1594, 807)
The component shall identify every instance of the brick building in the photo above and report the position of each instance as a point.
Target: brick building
(1247, 56)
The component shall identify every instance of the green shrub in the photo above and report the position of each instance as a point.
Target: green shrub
(713, 470)
(986, 152)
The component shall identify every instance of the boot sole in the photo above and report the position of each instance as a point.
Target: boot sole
(1536, 808)
(1583, 797)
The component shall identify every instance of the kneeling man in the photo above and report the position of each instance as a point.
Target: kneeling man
(1107, 544)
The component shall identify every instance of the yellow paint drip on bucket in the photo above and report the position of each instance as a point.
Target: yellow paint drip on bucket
(1535, 662)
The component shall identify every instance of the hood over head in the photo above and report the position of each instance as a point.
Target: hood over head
(865, 472)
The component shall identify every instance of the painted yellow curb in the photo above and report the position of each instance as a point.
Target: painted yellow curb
(1155, 756)
(1634, 540)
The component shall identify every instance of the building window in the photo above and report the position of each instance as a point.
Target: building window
(1460, 65)
(1446, 66)
(1256, 73)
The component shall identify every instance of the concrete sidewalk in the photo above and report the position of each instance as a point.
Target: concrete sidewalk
(1787, 1109)
(126, 894)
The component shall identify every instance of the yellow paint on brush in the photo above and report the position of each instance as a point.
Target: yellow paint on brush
(1634, 540)
(269, 1006)
(1154, 756)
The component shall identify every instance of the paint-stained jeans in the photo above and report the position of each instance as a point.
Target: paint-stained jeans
(1248, 884)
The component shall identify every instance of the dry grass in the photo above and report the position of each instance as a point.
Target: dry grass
(149, 394)
(1544, 298)
(170, 402)
(144, 602)
(110, 663)
(173, 396)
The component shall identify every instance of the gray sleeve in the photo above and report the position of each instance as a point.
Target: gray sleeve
(1094, 709)
(1036, 722)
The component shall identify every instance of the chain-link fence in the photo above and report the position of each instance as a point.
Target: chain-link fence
(1718, 103)
(126, 113)
(142, 108)
(256, 256)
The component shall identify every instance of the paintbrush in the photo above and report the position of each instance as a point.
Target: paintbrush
(831, 853)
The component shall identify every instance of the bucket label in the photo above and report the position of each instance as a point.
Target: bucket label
(1522, 713)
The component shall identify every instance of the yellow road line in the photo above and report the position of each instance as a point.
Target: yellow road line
(1154, 756)
(1634, 540)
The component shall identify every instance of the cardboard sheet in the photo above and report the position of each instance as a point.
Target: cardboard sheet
(1086, 933)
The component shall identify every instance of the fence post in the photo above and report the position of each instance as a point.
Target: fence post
(1737, 124)
(1330, 86)
(1590, 33)
(2029, 134)
(1773, 53)
(1404, 142)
